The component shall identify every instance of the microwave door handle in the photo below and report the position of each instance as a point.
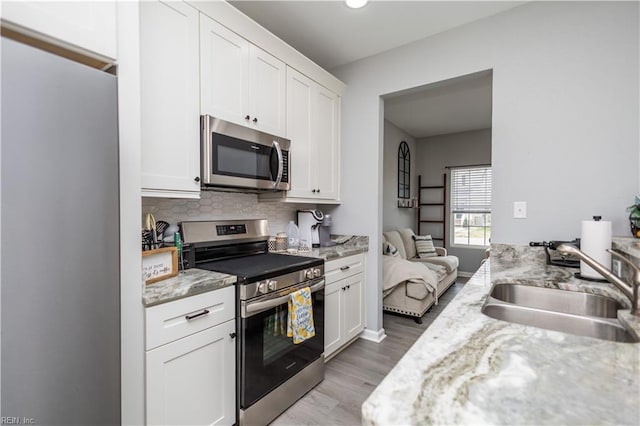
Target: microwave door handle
(280, 164)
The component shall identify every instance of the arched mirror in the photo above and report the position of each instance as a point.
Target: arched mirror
(404, 171)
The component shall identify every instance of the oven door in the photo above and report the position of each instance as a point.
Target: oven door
(268, 357)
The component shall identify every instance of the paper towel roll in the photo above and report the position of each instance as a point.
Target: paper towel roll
(594, 242)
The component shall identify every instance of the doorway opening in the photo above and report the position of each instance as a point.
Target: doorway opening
(446, 128)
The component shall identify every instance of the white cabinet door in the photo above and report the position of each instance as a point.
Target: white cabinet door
(240, 82)
(300, 99)
(313, 127)
(344, 302)
(224, 72)
(327, 157)
(88, 25)
(333, 328)
(353, 306)
(267, 91)
(192, 380)
(170, 125)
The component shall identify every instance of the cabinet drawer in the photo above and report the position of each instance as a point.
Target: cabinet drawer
(174, 320)
(338, 269)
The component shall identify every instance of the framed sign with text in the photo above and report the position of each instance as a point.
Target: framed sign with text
(159, 264)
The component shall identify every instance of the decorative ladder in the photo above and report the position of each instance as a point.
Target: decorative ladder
(433, 205)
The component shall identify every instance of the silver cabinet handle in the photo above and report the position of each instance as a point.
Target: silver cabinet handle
(190, 317)
(344, 268)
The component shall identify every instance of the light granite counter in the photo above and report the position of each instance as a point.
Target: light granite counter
(186, 283)
(629, 245)
(468, 368)
(196, 281)
(355, 244)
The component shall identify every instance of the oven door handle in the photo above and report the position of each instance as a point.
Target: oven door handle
(272, 303)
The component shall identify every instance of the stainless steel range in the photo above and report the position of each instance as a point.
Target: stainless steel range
(273, 372)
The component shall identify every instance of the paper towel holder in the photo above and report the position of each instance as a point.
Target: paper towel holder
(596, 218)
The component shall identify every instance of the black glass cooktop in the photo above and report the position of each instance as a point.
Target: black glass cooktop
(261, 266)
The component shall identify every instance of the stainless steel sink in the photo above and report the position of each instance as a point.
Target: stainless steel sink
(571, 312)
(569, 302)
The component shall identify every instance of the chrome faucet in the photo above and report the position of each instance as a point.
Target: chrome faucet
(630, 291)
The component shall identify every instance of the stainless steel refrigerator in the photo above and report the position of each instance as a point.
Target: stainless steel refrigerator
(59, 205)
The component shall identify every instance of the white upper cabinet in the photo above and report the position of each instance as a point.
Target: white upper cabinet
(224, 70)
(301, 95)
(240, 82)
(170, 127)
(267, 89)
(88, 26)
(313, 128)
(327, 156)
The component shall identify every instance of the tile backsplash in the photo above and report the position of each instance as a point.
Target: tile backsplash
(223, 205)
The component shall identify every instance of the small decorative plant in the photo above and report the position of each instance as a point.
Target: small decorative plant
(634, 217)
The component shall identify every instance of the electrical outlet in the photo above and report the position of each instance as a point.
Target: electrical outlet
(519, 209)
(616, 267)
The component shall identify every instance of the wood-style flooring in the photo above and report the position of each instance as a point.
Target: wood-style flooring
(356, 371)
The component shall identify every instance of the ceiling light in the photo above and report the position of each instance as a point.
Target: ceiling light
(356, 4)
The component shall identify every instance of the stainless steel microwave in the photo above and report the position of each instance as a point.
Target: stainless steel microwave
(234, 156)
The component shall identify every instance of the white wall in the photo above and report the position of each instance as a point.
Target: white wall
(434, 154)
(565, 119)
(392, 216)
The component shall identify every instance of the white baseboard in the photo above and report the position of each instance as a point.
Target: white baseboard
(465, 274)
(373, 336)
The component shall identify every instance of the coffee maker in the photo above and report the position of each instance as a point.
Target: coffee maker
(313, 226)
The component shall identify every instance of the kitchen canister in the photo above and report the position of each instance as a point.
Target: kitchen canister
(271, 243)
(281, 241)
(595, 240)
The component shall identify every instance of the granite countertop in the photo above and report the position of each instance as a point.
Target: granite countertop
(196, 281)
(353, 244)
(629, 245)
(186, 283)
(468, 368)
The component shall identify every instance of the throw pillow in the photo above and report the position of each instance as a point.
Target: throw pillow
(389, 249)
(424, 246)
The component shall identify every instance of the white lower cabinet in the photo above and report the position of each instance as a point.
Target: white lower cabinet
(191, 380)
(344, 302)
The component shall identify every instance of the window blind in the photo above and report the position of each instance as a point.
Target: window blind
(471, 190)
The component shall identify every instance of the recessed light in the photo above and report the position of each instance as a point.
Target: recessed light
(356, 4)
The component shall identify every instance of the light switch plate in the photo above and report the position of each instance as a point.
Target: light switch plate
(519, 209)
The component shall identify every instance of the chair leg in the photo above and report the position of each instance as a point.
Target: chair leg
(418, 320)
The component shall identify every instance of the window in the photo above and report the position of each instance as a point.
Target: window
(471, 206)
(404, 171)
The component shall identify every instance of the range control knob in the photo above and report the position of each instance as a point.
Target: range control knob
(317, 272)
(308, 274)
(262, 287)
(272, 285)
